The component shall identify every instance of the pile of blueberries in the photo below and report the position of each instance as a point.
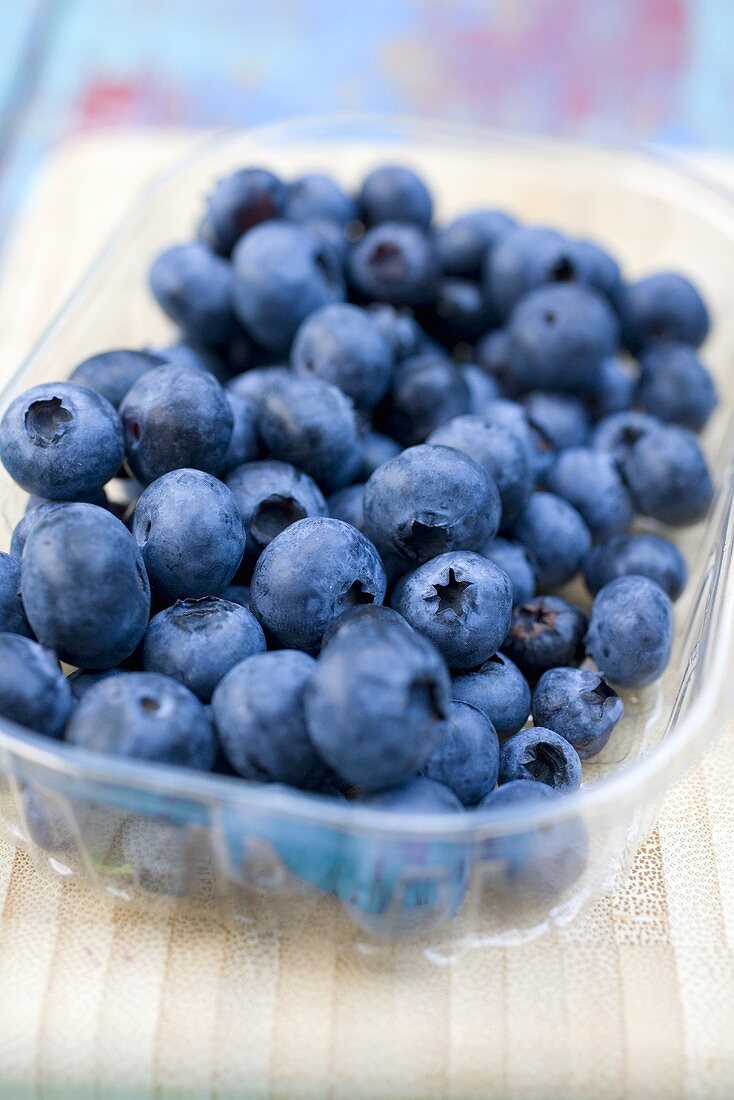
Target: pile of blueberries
(340, 507)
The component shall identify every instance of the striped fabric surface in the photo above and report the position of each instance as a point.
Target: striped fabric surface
(634, 999)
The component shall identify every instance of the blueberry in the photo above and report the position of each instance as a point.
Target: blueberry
(342, 345)
(282, 273)
(676, 387)
(646, 555)
(661, 308)
(33, 690)
(174, 417)
(365, 616)
(376, 449)
(541, 756)
(378, 703)
(393, 193)
(12, 615)
(190, 535)
(144, 716)
(467, 760)
(83, 679)
(556, 537)
(502, 454)
(493, 355)
(112, 373)
(244, 442)
(590, 480)
(332, 236)
(401, 887)
(270, 496)
(514, 417)
(559, 337)
(631, 631)
(523, 259)
(464, 243)
(430, 500)
(61, 441)
(537, 864)
(513, 557)
(194, 287)
(460, 601)
(253, 383)
(616, 387)
(500, 690)
(561, 418)
(668, 477)
(317, 196)
(348, 505)
(400, 329)
(428, 390)
(597, 268)
(481, 386)
(198, 641)
(545, 633)
(311, 424)
(258, 711)
(311, 573)
(395, 263)
(239, 594)
(619, 432)
(183, 353)
(238, 202)
(459, 313)
(84, 586)
(580, 705)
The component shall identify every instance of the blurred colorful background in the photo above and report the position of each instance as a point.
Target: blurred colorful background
(654, 70)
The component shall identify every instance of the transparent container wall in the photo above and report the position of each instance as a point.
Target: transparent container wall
(245, 856)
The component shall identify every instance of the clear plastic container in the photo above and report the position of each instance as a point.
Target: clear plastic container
(262, 855)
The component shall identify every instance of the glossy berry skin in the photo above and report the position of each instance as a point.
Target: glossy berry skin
(430, 500)
(145, 716)
(459, 314)
(190, 535)
(501, 453)
(342, 344)
(61, 441)
(499, 690)
(258, 712)
(427, 390)
(311, 573)
(559, 336)
(12, 616)
(348, 505)
(395, 263)
(541, 756)
(525, 258)
(175, 417)
(561, 418)
(631, 631)
(668, 476)
(282, 273)
(589, 479)
(580, 705)
(318, 197)
(467, 760)
(84, 586)
(661, 308)
(377, 706)
(311, 424)
(393, 193)
(514, 417)
(238, 203)
(271, 495)
(676, 387)
(244, 442)
(402, 887)
(616, 387)
(376, 449)
(545, 633)
(197, 642)
(193, 287)
(33, 690)
(112, 373)
(556, 537)
(645, 555)
(253, 383)
(463, 244)
(515, 560)
(461, 602)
